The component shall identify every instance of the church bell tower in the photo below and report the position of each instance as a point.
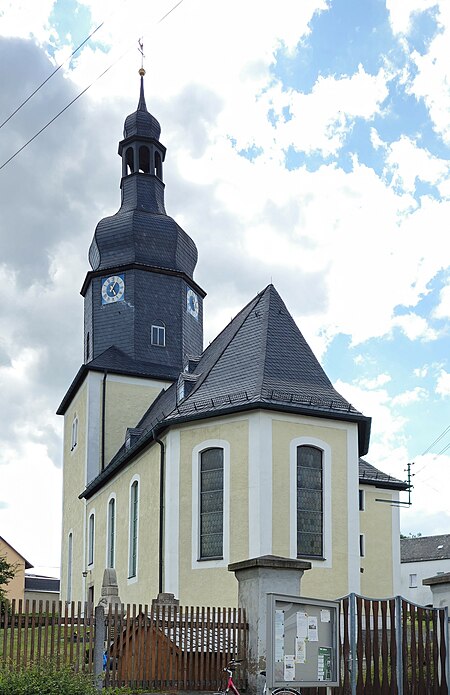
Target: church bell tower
(140, 295)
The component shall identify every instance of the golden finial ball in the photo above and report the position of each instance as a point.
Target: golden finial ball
(141, 72)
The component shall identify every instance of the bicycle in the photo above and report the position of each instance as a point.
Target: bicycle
(231, 687)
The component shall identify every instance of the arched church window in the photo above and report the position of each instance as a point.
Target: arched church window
(144, 159)
(111, 535)
(211, 504)
(133, 530)
(129, 158)
(158, 334)
(309, 502)
(91, 539)
(158, 165)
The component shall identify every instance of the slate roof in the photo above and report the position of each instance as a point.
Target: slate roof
(118, 362)
(425, 548)
(141, 122)
(369, 475)
(37, 582)
(260, 360)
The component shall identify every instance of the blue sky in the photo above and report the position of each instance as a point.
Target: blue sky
(307, 145)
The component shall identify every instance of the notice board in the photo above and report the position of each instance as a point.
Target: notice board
(302, 642)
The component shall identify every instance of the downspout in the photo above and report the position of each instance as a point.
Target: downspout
(161, 514)
(102, 464)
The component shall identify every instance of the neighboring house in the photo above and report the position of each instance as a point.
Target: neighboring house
(422, 558)
(179, 461)
(40, 588)
(14, 588)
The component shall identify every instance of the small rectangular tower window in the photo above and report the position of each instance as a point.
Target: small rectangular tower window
(362, 549)
(362, 501)
(413, 581)
(158, 335)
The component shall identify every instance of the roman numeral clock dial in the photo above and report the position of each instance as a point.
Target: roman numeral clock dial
(113, 289)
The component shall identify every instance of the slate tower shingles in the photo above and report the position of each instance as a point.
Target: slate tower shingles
(142, 264)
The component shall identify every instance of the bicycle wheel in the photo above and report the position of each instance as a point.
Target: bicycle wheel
(286, 691)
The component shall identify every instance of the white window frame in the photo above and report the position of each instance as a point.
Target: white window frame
(74, 433)
(91, 539)
(160, 331)
(111, 498)
(327, 560)
(413, 580)
(132, 578)
(196, 461)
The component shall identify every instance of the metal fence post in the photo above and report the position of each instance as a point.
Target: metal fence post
(353, 663)
(99, 645)
(399, 644)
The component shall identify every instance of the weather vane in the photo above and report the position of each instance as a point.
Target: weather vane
(141, 51)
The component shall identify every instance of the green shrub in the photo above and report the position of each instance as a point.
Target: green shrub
(44, 679)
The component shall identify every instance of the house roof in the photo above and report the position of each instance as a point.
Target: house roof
(260, 360)
(28, 565)
(425, 548)
(37, 582)
(118, 362)
(369, 475)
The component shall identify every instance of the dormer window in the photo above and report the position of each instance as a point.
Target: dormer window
(158, 334)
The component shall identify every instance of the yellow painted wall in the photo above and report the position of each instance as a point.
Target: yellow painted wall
(145, 587)
(320, 582)
(214, 586)
(74, 464)
(126, 403)
(376, 525)
(15, 588)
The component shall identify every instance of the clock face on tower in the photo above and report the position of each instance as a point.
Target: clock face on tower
(192, 303)
(113, 289)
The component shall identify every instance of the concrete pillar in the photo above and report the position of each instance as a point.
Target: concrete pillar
(258, 577)
(440, 588)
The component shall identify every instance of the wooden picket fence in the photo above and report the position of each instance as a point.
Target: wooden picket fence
(35, 631)
(387, 646)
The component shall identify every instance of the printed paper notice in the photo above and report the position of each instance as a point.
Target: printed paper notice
(324, 664)
(325, 616)
(279, 635)
(313, 632)
(300, 651)
(289, 668)
(302, 625)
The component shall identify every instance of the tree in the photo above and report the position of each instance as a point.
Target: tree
(7, 572)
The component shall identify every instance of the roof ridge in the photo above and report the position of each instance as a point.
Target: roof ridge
(239, 321)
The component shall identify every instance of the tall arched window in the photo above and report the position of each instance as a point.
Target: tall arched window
(111, 541)
(309, 502)
(211, 504)
(91, 539)
(129, 158)
(158, 165)
(134, 527)
(144, 159)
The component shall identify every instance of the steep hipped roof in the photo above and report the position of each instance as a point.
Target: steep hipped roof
(260, 360)
(425, 548)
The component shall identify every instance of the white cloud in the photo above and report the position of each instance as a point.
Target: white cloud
(407, 163)
(26, 18)
(442, 310)
(380, 380)
(401, 12)
(443, 383)
(415, 327)
(412, 396)
(421, 372)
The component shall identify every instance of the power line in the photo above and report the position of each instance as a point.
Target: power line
(56, 70)
(79, 95)
(436, 440)
(62, 110)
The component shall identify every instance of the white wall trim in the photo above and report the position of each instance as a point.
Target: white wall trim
(93, 418)
(112, 496)
(260, 513)
(353, 513)
(138, 381)
(327, 495)
(172, 515)
(208, 444)
(134, 579)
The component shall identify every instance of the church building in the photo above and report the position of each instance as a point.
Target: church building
(178, 460)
